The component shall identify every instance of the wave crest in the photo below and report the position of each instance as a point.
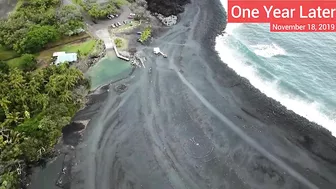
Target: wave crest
(268, 51)
(310, 110)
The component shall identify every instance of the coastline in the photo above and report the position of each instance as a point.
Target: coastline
(268, 109)
(254, 107)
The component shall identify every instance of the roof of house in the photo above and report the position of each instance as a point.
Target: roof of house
(58, 53)
(66, 57)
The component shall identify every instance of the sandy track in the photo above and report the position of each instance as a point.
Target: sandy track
(177, 127)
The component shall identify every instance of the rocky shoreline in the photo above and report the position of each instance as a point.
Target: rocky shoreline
(297, 129)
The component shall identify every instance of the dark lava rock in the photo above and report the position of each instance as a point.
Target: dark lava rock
(121, 88)
(71, 135)
(167, 7)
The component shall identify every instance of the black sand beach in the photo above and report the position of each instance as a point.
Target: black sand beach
(189, 121)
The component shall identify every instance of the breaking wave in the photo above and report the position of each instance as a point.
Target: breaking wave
(239, 62)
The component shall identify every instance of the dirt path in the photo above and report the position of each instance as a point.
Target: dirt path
(178, 127)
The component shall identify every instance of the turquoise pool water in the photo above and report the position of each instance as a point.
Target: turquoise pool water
(106, 70)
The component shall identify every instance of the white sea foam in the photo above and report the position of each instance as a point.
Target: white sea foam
(268, 51)
(306, 109)
(311, 111)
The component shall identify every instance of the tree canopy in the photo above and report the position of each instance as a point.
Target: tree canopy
(34, 106)
(70, 20)
(36, 38)
(38, 19)
(96, 10)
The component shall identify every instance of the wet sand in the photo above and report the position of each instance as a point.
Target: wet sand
(189, 121)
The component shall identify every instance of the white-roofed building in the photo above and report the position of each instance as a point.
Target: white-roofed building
(55, 54)
(62, 57)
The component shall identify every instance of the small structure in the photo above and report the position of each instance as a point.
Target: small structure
(119, 55)
(157, 51)
(61, 57)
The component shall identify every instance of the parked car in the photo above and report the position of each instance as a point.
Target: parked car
(109, 17)
(113, 26)
(116, 15)
(125, 22)
(139, 33)
(132, 14)
(119, 24)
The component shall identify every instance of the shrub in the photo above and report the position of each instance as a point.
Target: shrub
(118, 42)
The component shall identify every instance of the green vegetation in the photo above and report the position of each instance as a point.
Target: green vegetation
(82, 48)
(146, 34)
(26, 62)
(36, 103)
(118, 42)
(6, 54)
(98, 11)
(16, 62)
(35, 23)
(71, 20)
(36, 38)
(79, 2)
(34, 106)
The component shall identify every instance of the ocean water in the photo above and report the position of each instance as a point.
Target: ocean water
(296, 69)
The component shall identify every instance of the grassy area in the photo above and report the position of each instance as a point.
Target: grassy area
(45, 56)
(84, 48)
(15, 62)
(69, 39)
(6, 54)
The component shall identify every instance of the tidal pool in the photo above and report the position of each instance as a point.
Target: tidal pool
(106, 70)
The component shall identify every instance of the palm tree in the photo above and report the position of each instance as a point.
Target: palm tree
(4, 102)
(69, 81)
(16, 78)
(12, 118)
(33, 86)
(42, 99)
(63, 68)
(66, 96)
(51, 88)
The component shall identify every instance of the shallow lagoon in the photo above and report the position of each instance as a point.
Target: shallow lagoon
(106, 70)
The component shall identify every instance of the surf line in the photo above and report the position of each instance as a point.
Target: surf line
(244, 136)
